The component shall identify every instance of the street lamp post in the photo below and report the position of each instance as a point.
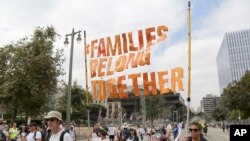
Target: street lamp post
(66, 42)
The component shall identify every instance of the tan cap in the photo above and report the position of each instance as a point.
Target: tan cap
(54, 114)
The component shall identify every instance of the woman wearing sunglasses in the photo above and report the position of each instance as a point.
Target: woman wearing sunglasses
(195, 130)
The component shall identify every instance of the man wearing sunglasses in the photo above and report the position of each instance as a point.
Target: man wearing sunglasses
(54, 120)
(195, 130)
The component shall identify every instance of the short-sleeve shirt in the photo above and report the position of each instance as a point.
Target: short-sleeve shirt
(56, 137)
(111, 131)
(141, 131)
(31, 137)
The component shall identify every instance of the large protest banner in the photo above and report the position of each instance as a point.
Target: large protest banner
(128, 51)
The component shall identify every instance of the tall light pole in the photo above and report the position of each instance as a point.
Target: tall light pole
(66, 42)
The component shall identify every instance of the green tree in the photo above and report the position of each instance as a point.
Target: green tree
(4, 55)
(94, 110)
(236, 95)
(31, 74)
(234, 115)
(78, 103)
(200, 114)
(154, 107)
(244, 94)
(219, 113)
(78, 98)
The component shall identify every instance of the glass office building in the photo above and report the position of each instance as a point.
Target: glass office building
(233, 58)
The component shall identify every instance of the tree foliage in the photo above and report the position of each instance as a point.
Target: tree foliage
(154, 107)
(30, 71)
(78, 100)
(78, 103)
(94, 110)
(200, 114)
(219, 113)
(236, 95)
(234, 115)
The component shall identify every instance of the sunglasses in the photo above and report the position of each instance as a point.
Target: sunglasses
(195, 130)
(51, 119)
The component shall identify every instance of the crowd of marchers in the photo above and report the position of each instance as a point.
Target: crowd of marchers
(171, 132)
(51, 130)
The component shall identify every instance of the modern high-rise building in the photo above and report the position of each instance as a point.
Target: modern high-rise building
(209, 103)
(233, 58)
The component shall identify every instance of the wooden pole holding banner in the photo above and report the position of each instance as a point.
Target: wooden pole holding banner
(189, 65)
(86, 78)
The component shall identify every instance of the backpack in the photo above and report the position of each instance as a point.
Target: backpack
(125, 133)
(42, 133)
(48, 134)
(2, 136)
(62, 134)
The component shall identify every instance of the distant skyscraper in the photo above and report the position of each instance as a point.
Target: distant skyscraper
(233, 58)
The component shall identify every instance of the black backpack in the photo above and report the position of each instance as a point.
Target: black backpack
(2, 136)
(62, 134)
(125, 133)
(48, 134)
(43, 135)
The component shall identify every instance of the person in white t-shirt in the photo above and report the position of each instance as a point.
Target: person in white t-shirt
(141, 131)
(34, 134)
(111, 132)
(54, 120)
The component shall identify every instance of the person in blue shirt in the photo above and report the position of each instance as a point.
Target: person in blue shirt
(175, 131)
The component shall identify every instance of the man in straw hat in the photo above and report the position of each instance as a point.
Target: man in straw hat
(54, 120)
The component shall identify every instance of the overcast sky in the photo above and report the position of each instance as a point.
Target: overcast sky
(101, 18)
